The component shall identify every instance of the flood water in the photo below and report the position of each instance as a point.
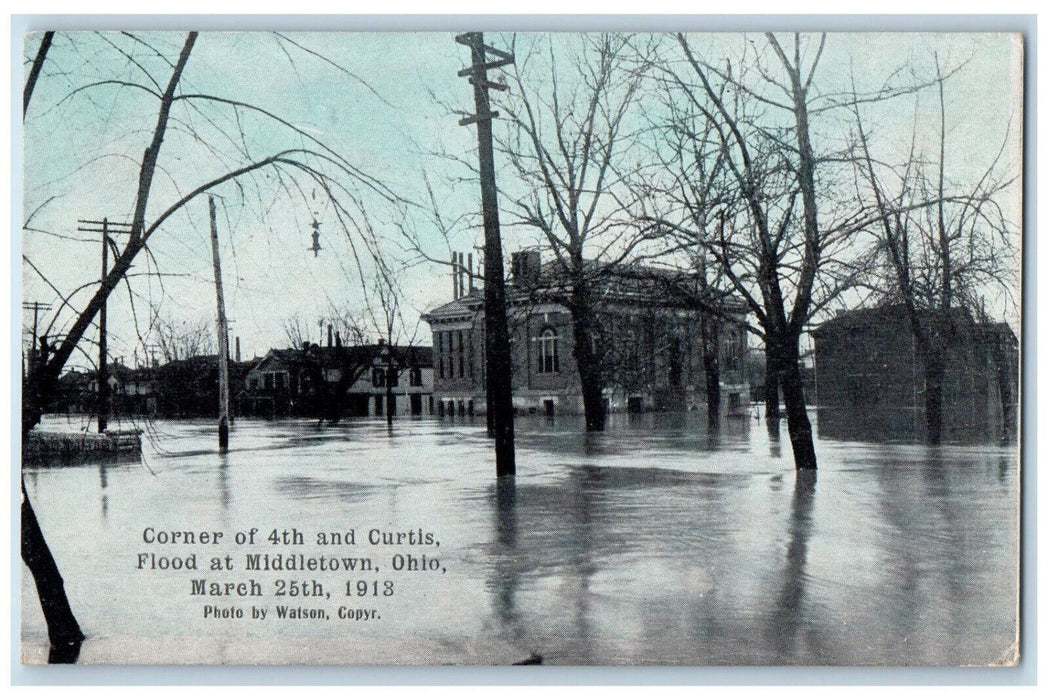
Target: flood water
(652, 543)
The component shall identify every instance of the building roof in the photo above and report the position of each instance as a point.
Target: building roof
(615, 282)
(463, 306)
(893, 313)
(334, 357)
(999, 331)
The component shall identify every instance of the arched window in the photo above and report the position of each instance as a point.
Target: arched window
(549, 361)
(733, 351)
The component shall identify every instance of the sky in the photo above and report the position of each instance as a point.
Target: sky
(386, 105)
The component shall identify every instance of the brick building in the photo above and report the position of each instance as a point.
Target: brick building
(651, 346)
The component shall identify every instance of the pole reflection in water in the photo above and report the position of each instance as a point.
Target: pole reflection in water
(713, 441)
(223, 482)
(774, 439)
(505, 571)
(103, 483)
(583, 544)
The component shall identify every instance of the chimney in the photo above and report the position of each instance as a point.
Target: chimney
(458, 275)
(469, 271)
(238, 348)
(338, 339)
(462, 274)
(527, 264)
(454, 276)
(331, 331)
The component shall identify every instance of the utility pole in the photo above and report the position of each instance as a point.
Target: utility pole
(103, 374)
(36, 307)
(37, 351)
(223, 338)
(496, 349)
(104, 227)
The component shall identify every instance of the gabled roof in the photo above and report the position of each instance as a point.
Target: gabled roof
(463, 306)
(350, 355)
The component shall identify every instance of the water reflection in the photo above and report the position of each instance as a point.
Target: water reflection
(506, 572)
(659, 541)
(774, 439)
(894, 424)
(580, 552)
(102, 486)
(223, 483)
(790, 617)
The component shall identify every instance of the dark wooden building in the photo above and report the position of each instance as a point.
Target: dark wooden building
(334, 381)
(869, 372)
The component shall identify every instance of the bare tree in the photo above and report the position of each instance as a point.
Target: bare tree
(683, 191)
(945, 244)
(305, 157)
(181, 341)
(298, 331)
(349, 326)
(568, 133)
(385, 311)
(768, 239)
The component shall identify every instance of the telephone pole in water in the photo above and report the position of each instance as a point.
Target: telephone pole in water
(496, 347)
(104, 227)
(223, 339)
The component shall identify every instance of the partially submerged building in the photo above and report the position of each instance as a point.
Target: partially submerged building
(650, 341)
(311, 381)
(340, 381)
(869, 372)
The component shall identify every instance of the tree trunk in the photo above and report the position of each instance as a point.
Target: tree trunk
(589, 366)
(787, 357)
(771, 385)
(934, 373)
(34, 72)
(1004, 391)
(711, 367)
(63, 631)
(390, 406)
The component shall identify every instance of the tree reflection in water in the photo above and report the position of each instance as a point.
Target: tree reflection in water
(789, 617)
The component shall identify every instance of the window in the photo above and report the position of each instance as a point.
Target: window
(378, 377)
(461, 354)
(469, 343)
(676, 367)
(549, 362)
(440, 352)
(733, 351)
(416, 376)
(451, 355)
